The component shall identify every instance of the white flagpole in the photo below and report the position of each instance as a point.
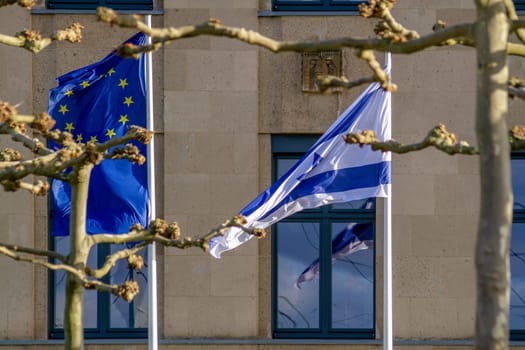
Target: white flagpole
(152, 259)
(388, 342)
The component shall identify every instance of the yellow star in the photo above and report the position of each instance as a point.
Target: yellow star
(123, 119)
(63, 109)
(123, 83)
(128, 100)
(68, 93)
(93, 139)
(110, 133)
(69, 127)
(111, 71)
(84, 84)
(79, 138)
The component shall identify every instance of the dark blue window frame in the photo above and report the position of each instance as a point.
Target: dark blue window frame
(517, 251)
(93, 4)
(315, 5)
(103, 329)
(337, 5)
(292, 147)
(519, 5)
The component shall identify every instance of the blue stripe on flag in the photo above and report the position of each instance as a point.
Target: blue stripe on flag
(330, 172)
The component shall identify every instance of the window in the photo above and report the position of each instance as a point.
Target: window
(315, 5)
(93, 4)
(517, 249)
(320, 290)
(520, 5)
(336, 5)
(105, 315)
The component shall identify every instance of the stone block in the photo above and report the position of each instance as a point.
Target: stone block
(233, 111)
(245, 155)
(231, 192)
(186, 111)
(174, 70)
(210, 70)
(442, 324)
(200, 153)
(211, 317)
(189, 194)
(234, 17)
(183, 15)
(457, 195)
(187, 276)
(234, 276)
(442, 236)
(416, 276)
(245, 71)
(413, 195)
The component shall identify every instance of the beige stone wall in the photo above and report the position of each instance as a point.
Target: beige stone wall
(16, 208)
(217, 103)
(210, 114)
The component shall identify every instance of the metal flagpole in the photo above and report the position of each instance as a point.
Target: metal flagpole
(152, 259)
(388, 343)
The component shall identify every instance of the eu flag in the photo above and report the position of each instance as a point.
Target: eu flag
(96, 103)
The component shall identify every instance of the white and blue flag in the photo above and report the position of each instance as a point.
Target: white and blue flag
(331, 171)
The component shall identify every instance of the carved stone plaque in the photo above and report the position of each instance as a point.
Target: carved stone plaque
(315, 64)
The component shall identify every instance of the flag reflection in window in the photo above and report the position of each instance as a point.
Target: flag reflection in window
(323, 266)
(517, 250)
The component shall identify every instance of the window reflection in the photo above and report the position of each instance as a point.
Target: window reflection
(90, 296)
(517, 266)
(352, 275)
(518, 185)
(120, 313)
(297, 304)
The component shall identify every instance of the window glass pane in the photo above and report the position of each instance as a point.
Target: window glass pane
(368, 203)
(517, 267)
(90, 296)
(283, 164)
(518, 185)
(122, 313)
(298, 267)
(352, 275)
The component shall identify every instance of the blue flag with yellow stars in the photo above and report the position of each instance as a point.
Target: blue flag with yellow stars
(96, 103)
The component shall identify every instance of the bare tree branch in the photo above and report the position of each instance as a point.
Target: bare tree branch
(111, 260)
(214, 28)
(34, 42)
(438, 137)
(511, 10)
(38, 252)
(127, 290)
(23, 3)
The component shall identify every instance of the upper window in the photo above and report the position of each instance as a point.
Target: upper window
(315, 5)
(323, 269)
(336, 5)
(105, 315)
(93, 4)
(520, 5)
(517, 249)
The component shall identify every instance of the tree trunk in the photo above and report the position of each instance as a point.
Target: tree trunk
(492, 247)
(79, 251)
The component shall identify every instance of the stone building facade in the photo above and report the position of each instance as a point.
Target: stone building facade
(218, 103)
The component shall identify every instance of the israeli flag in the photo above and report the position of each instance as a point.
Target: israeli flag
(330, 172)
